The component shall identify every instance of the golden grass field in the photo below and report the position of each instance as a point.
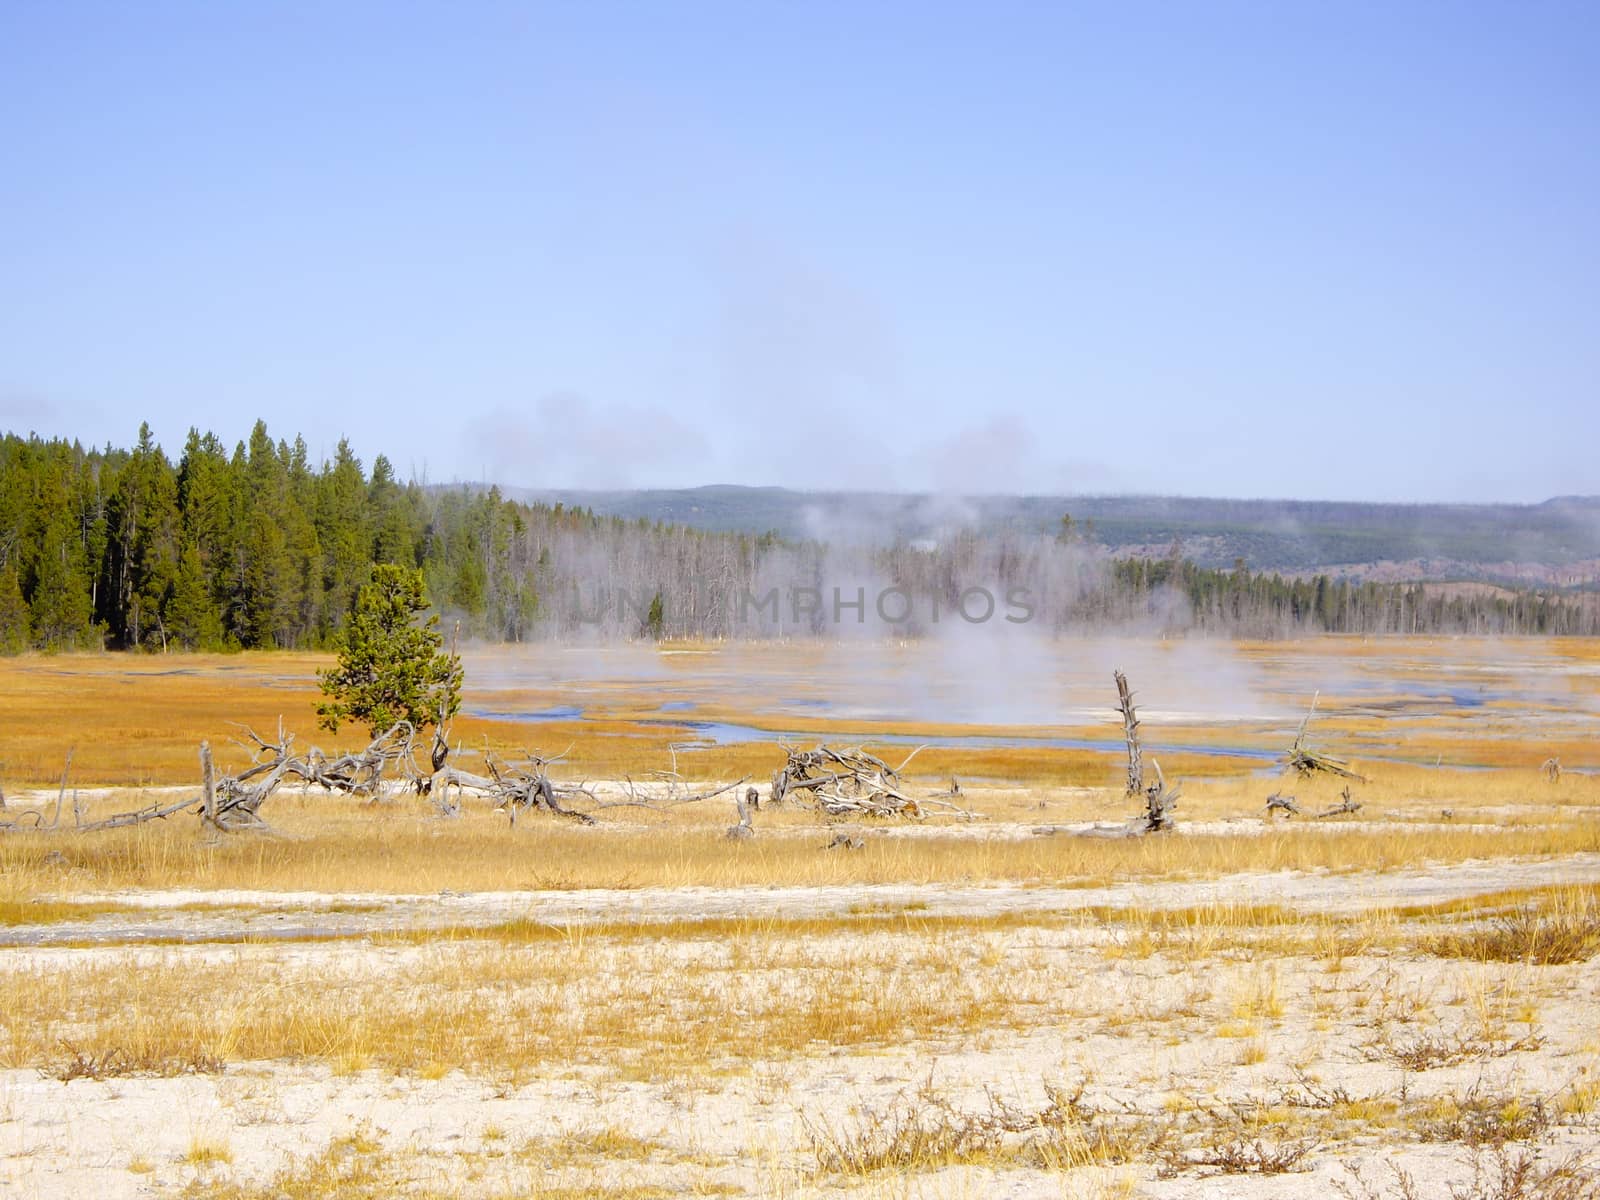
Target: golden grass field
(370, 1000)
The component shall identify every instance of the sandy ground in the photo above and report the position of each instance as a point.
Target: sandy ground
(162, 915)
(1146, 1035)
(747, 1134)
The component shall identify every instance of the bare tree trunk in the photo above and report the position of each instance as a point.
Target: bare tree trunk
(1130, 731)
(208, 786)
(61, 795)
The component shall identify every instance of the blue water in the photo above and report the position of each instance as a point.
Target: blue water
(729, 733)
(562, 712)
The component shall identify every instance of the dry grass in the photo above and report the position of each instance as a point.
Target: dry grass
(926, 1131)
(1498, 1174)
(1563, 930)
(647, 1000)
(1196, 1014)
(335, 845)
(113, 1062)
(138, 719)
(646, 1007)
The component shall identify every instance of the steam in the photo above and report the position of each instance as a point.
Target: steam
(567, 440)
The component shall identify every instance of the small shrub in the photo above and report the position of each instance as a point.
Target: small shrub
(113, 1062)
(1565, 933)
(1429, 1050)
(1483, 1119)
(1517, 1175)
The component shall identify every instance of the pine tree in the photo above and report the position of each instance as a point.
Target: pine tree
(62, 616)
(13, 613)
(391, 666)
(191, 615)
(656, 619)
(344, 534)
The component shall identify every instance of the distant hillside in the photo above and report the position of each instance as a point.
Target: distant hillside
(132, 549)
(1556, 542)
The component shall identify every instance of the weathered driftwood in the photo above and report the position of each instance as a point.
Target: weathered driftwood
(237, 812)
(1283, 804)
(32, 820)
(1345, 805)
(522, 787)
(1305, 761)
(1289, 808)
(388, 764)
(235, 801)
(1159, 798)
(1130, 733)
(744, 831)
(851, 782)
(662, 790)
(1159, 801)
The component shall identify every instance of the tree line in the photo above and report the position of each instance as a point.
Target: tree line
(260, 547)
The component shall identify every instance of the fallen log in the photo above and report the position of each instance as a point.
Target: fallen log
(230, 803)
(1345, 805)
(1283, 804)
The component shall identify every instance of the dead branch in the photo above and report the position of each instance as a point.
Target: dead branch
(66, 770)
(851, 782)
(1305, 761)
(663, 790)
(519, 788)
(1159, 801)
(1345, 805)
(1283, 804)
(232, 802)
(139, 816)
(743, 831)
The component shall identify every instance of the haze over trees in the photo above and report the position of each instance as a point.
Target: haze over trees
(260, 547)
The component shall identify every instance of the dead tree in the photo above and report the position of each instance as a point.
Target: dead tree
(522, 787)
(662, 790)
(851, 782)
(743, 831)
(1304, 761)
(1551, 769)
(1159, 801)
(1345, 805)
(55, 821)
(1130, 732)
(388, 765)
(1283, 804)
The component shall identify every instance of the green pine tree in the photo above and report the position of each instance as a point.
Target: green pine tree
(391, 666)
(63, 615)
(191, 614)
(655, 620)
(13, 614)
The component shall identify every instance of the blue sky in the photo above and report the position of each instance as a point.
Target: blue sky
(1317, 250)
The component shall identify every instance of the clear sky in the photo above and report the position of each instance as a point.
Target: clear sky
(1287, 249)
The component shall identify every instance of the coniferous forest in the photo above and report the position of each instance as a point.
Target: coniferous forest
(257, 546)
